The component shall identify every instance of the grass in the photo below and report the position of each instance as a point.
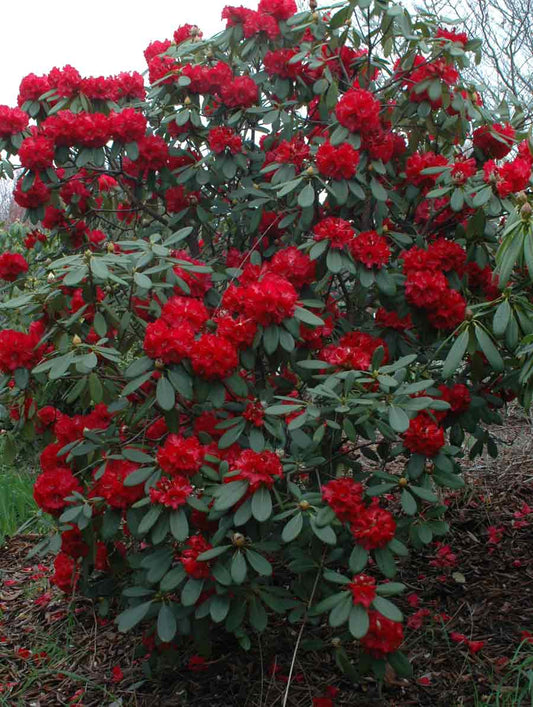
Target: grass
(18, 510)
(515, 688)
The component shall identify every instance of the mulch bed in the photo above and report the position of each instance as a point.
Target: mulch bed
(53, 653)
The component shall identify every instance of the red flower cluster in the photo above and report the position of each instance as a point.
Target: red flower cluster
(111, 484)
(257, 468)
(392, 320)
(52, 487)
(510, 177)
(66, 573)
(294, 266)
(171, 493)
(195, 546)
(424, 436)
(336, 230)
(222, 138)
(19, 350)
(12, 121)
(371, 249)
(494, 141)
(383, 637)
(353, 350)
(358, 111)
(294, 151)
(12, 265)
(337, 161)
(181, 456)
(363, 589)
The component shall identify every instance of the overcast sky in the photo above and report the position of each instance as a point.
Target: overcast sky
(98, 38)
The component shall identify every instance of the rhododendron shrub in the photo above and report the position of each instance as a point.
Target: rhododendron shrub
(283, 293)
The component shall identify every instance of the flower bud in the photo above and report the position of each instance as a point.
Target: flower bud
(159, 364)
(238, 539)
(469, 314)
(76, 341)
(187, 101)
(526, 211)
(110, 247)
(51, 277)
(402, 482)
(304, 505)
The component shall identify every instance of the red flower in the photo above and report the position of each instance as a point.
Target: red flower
(424, 436)
(181, 456)
(363, 589)
(269, 300)
(421, 161)
(240, 92)
(336, 230)
(358, 111)
(496, 140)
(280, 9)
(392, 320)
(354, 351)
(370, 248)
(277, 63)
(373, 527)
(254, 413)
(344, 496)
(294, 266)
(425, 289)
(337, 161)
(169, 343)
(36, 153)
(195, 546)
(449, 312)
(383, 637)
(111, 484)
(222, 138)
(197, 664)
(127, 126)
(66, 573)
(451, 36)
(12, 121)
(73, 544)
(52, 487)
(258, 468)
(171, 493)
(213, 357)
(37, 195)
(12, 265)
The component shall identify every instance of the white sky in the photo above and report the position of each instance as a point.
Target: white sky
(98, 38)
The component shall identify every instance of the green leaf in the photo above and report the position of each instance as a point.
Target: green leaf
(232, 435)
(262, 504)
(334, 261)
(398, 419)
(502, 315)
(385, 561)
(390, 589)
(293, 528)
(230, 494)
(425, 494)
(358, 623)
(166, 624)
(172, 579)
(306, 197)
(325, 533)
(131, 617)
(149, 519)
(271, 339)
(457, 201)
(191, 591)
(328, 603)
(259, 563)
(258, 615)
(378, 191)
(219, 607)
(179, 525)
(455, 355)
(400, 663)
(489, 349)
(212, 553)
(307, 317)
(387, 609)
(341, 612)
(166, 397)
(238, 569)
(358, 559)
(408, 503)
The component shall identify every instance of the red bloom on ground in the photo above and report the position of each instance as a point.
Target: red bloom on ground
(197, 664)
(116, 674)
(336, 230)
(195, 546)
(383, 637)
(358, 111)
(337, 161)
(424, 436)
(370, 248)
(258, 468)
(363, 589)
(171, 493)
(52, 487)
(181, 455)
(12, 265)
